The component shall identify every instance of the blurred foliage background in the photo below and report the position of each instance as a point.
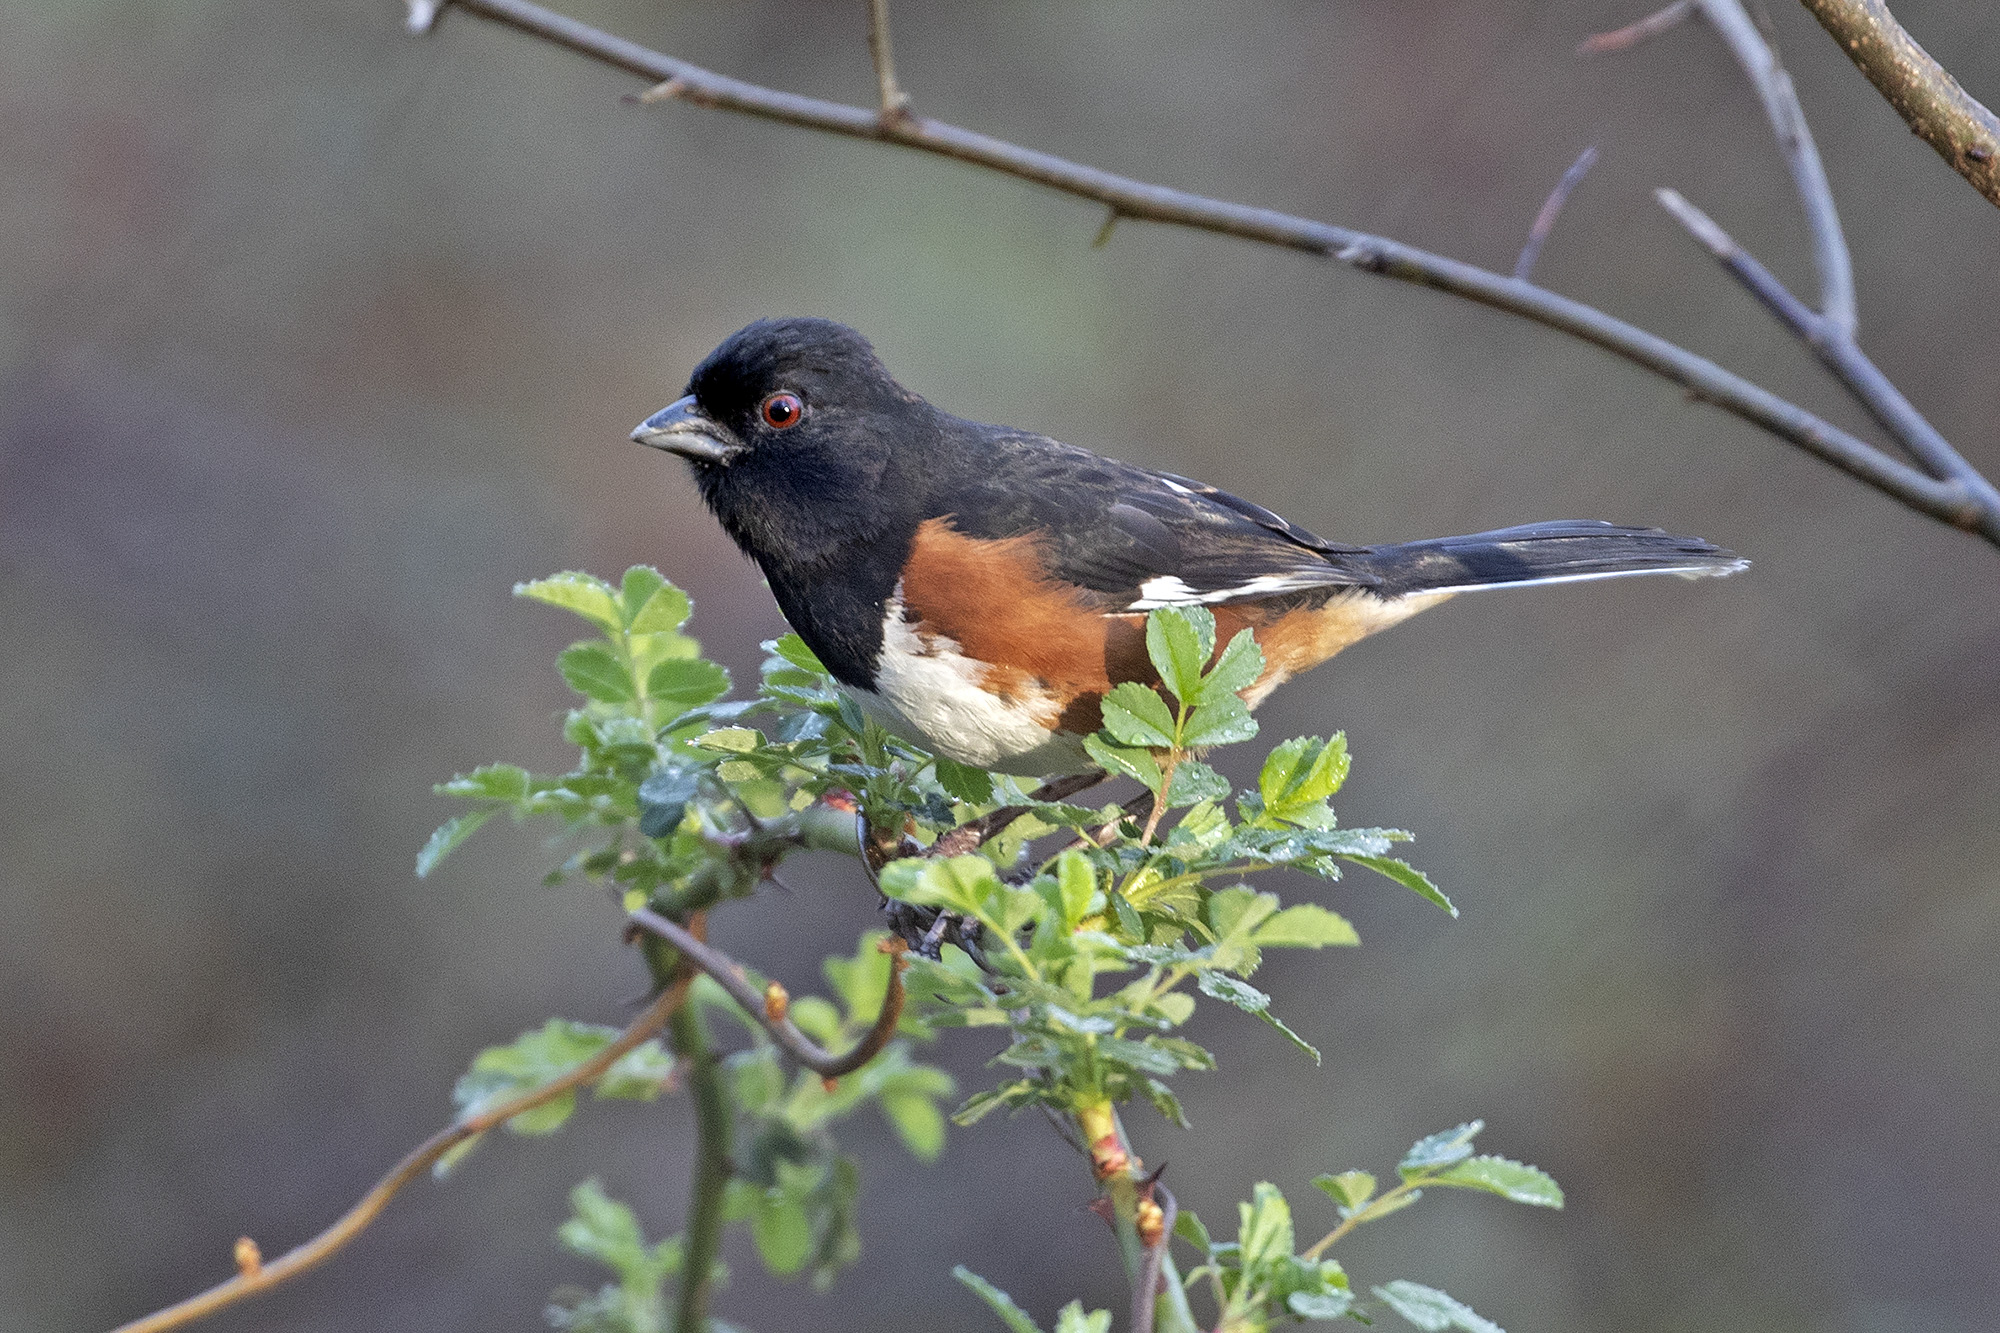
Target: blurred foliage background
(314, 338)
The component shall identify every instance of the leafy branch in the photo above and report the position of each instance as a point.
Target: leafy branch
(1943, 487)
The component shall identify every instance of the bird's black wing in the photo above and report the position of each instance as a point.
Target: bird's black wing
(1139, 539)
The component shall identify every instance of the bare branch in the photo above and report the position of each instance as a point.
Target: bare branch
(1141, 201)
(1625, 38)
(1963, 491)
(968, 836)
(1552, 207)
(895, 102)
(768, 1007)
(1930, 101)
(1759, 60)
(254, 1275)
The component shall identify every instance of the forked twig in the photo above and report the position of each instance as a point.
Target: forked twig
(1141, 201)
(895, 102)
(256, 1276)
(769, 1007)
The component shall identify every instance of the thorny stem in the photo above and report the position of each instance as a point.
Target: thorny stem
(678, 80)
(714, 1129)
(358, 1218)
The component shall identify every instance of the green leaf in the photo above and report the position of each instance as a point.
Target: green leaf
(1163, 1100)
(663, 799)
(1076, 881)
(1265, 1227)
(972, 785)
(639, 1075)
(605, 1231)
(1241, 663)
(1222, 722)
(448, 836)
(500, 1073)
(651, 604)
(1072, 1319)
(1432, 1310)
(1180, 640)
(917, 1121)
(1307, 926)
(490, 782)
(998, 1301)
(1406, 875)
(1135, 715)
(1508, 1179)
(1302, 773)
(793, 649)
(682, 683)
(1131, 762)
(1318, 1305)
(1195, 781)
(1440, 1149)
(1351, 1190)
(1190, 1229)
(586, 594)
(595, 672)
(782, 1232)
(1250, 1000)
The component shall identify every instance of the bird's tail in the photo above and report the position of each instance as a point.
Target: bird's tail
(1563, 551)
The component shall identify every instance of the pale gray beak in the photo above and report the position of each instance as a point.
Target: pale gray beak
(681, 427)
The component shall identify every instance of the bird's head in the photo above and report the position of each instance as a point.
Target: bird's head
(791, 426)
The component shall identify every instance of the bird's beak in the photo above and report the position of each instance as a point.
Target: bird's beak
(681, 427)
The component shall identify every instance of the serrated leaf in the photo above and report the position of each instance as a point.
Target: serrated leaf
(595, 672)
(999, 1302)
(1241, 663)
(663, 798)
(1320, 1305)
(1225, 721)
(1507, 1178)
(536, 1057)
(1351, 1190)
(448, 836)
(1137, 716)
(1180, 640)
(972, 785)
(793, 649)
(639, 1075)
(652, 605)
(573, 590)
(1440, 1149)
(1299, 775)
(1432, 1310)
(1264, 1229)
(489, 782)
(1072, 1319)
(1406, 875)
(682, 683)
(1163, 1100)
(1190, 1229)
(1306, 926)
(1076, 884)
(1194, 782)
(1130, 762)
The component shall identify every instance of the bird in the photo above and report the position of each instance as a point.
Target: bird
(979, 589)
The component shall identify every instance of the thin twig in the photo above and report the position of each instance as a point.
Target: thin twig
(972, 833)
(1552, 207)
(1141, 201)
(1759, 59)
(1930, 101)
(251, 1280)
(768, 1008)
(1629, 36)
(895, 102)
(1849, 364)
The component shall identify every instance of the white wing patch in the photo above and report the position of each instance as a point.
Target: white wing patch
(1171, 590)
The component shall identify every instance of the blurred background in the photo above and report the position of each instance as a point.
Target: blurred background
(315, 338)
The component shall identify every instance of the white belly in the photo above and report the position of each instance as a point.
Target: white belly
(928, 691)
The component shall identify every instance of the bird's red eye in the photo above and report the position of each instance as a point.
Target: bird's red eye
(782, 410)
